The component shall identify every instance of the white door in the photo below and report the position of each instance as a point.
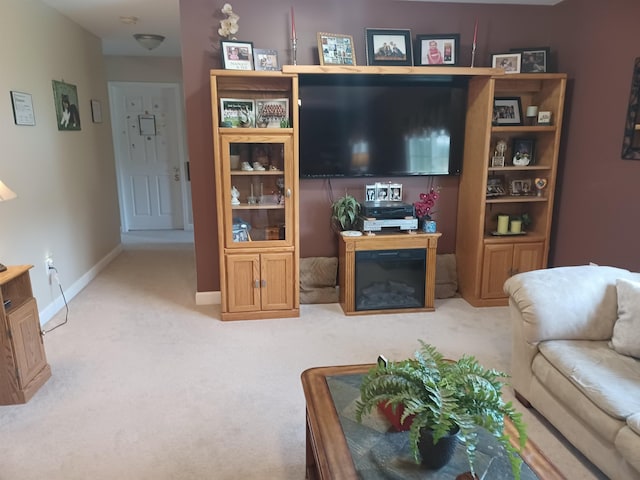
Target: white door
(148, 141)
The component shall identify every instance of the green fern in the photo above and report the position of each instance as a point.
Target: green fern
(345, 211)
(442, 395)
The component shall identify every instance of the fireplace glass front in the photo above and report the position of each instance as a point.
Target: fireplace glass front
(390, 279)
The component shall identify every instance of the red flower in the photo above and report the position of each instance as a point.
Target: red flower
(426, 203)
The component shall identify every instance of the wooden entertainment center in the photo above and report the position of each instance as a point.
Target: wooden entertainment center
(258, 233)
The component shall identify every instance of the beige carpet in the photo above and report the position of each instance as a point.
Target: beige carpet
(148, 386)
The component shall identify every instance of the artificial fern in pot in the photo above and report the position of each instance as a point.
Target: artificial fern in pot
(443, 395)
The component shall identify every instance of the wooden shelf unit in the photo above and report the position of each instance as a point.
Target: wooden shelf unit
(348, 246)
(23, 363)
(484, 261)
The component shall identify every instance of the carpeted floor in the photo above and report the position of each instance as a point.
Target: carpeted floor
(147, 385)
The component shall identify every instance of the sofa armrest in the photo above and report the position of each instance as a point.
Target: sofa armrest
(565, 303)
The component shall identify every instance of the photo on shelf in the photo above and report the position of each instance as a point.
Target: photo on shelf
(336, 49)
(437, 49)
(507, 111)
(272, 113)
(389, 47)
(534, 60)
(237, 112)
(509, 62)
(265, 59)
(237, 55)
(523, 149)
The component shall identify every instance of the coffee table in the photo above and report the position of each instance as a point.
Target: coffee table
(339, 448)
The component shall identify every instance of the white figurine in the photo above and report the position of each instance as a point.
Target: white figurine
(235, 194)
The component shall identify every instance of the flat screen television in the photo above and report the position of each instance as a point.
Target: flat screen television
(381, 125)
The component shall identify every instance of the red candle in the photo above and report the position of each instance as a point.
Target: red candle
(475, 33)
(293, 25)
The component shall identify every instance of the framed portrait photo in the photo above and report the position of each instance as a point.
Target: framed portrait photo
(523, 149)
(534, 60)
(265, 59)
(437, 49)
(510, 62)
(507, 111)
(370, 193)
(389, 47)
(336, 49)
(237, 55)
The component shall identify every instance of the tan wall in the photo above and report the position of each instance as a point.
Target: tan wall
(67, 198)
(574, 29)
(143, 69)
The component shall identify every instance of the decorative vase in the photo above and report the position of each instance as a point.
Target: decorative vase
(436, 456)
(428, 225)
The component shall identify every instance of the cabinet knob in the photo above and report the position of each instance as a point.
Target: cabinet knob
(288, 193)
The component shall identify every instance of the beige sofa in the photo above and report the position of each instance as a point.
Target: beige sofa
(576, 350)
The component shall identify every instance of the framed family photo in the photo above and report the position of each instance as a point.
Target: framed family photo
(237, 55)
(389, 47)
(510, 62)
(437, 49)
(265, 59)
(534, 60)
(507, 111)
(336, 49)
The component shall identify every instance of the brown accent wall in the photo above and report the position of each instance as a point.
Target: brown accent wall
(592, 41)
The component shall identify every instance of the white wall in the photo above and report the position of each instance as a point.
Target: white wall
(67, 195)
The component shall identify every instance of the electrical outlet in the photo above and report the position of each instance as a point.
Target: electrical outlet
(48, 264)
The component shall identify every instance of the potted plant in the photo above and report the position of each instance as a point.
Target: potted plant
(444, 396)
(345, 212)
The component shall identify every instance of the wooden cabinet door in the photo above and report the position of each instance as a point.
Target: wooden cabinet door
(498, 259)
(276, 273)
(243, 282)
(26, 341)
(527, 257)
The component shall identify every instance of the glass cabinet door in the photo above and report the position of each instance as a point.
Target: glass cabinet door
(257, 185)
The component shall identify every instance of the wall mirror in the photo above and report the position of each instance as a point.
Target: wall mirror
(631, 141)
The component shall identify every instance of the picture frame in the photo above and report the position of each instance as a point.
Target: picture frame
(534, 60)
(336, 49)
(382, 192)
(236, 55)
(395, 192)
(523, 152)
(507, 111)
(265, 59)
(510, 62)
(495, 186)
(147, 124)
(96, 111)
(544, 118)
(22, 105)
(237, 112)
(389, 47)
(370, 193)
(497, 161)
(442, 49)
(272, 113)
(520, 187)
(65, 97)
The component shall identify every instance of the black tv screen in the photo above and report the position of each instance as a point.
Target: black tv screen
(381, 125)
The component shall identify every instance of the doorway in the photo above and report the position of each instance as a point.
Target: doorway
(151, 168)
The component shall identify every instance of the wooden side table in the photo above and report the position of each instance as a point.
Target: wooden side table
(23, 363)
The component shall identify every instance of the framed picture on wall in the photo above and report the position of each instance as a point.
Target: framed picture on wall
(437, 49)
(65, 97)
(389, 47)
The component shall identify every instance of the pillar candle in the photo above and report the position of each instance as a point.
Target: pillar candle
(532, 111)
(516, 226)
(503, 223)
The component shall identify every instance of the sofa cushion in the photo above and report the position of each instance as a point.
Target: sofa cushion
(611, 381)
(626, 330)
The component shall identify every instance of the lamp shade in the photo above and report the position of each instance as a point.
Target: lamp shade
(6, 193)
(149, 40)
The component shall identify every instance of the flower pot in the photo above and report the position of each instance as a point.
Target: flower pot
(394, 415)
(435, 456)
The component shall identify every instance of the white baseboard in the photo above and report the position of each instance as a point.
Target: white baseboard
(208, 298)
(69, 292)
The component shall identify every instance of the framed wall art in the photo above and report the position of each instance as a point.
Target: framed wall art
(22, 105)
(534, 60)
(237, 55)
(336, 49)
(523, 151)
(65, 97)
(507, 111)
(388, 47)
(265, 59)
(437, 49)
(96, 111)
(510, 62)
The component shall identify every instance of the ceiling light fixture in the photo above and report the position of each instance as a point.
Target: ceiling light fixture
(149, 40)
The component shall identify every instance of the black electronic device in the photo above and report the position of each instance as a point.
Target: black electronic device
(360, 125)
(386, 210)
